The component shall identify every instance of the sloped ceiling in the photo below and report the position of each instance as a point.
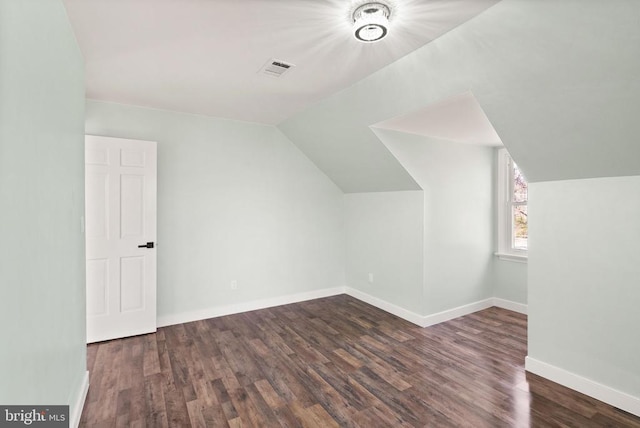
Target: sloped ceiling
(459, 118)
(559, 81)
(203, 57)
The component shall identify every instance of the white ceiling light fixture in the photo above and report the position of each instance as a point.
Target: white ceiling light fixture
(371, 22)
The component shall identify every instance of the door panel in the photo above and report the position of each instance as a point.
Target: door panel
(97, 215)
(132, 158)
(120, 192)
(97, 156)
(132, 206)
(97, 281)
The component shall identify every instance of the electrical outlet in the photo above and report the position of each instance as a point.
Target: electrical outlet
(234, 285)
(370, 278)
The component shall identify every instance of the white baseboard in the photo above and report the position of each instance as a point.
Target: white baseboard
(460, 311)
(218, 311)
(75, 409)
(428, 320)
(420, 320)
(386, 306)
(611, 396)
(508, 304)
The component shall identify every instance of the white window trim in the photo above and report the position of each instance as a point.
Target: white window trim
(504, 228)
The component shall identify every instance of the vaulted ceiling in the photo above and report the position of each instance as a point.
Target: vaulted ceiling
(204, 56)
(555, 81)
(558, 81)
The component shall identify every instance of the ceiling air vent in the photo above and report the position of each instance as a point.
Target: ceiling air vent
(276, 68)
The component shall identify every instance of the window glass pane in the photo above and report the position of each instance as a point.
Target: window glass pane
(519, 185)
(520, 230)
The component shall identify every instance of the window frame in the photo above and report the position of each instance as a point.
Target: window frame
(505, 182)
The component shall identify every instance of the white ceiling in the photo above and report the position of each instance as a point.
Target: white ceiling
(203, 56)
(458, 118)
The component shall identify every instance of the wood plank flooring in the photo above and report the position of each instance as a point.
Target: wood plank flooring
(333, 362)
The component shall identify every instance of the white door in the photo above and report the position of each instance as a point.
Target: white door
(120, 211)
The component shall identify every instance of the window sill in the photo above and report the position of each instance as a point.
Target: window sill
(518, 258)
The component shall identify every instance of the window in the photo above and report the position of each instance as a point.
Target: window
(512, 209)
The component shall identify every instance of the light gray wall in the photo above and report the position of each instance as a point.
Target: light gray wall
(584, 278)
(384, 237)
(457, 180)
(236, 201)
(510, 280)
(42, 303)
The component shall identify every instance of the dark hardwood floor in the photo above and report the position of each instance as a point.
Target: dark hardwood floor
(332, 362)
